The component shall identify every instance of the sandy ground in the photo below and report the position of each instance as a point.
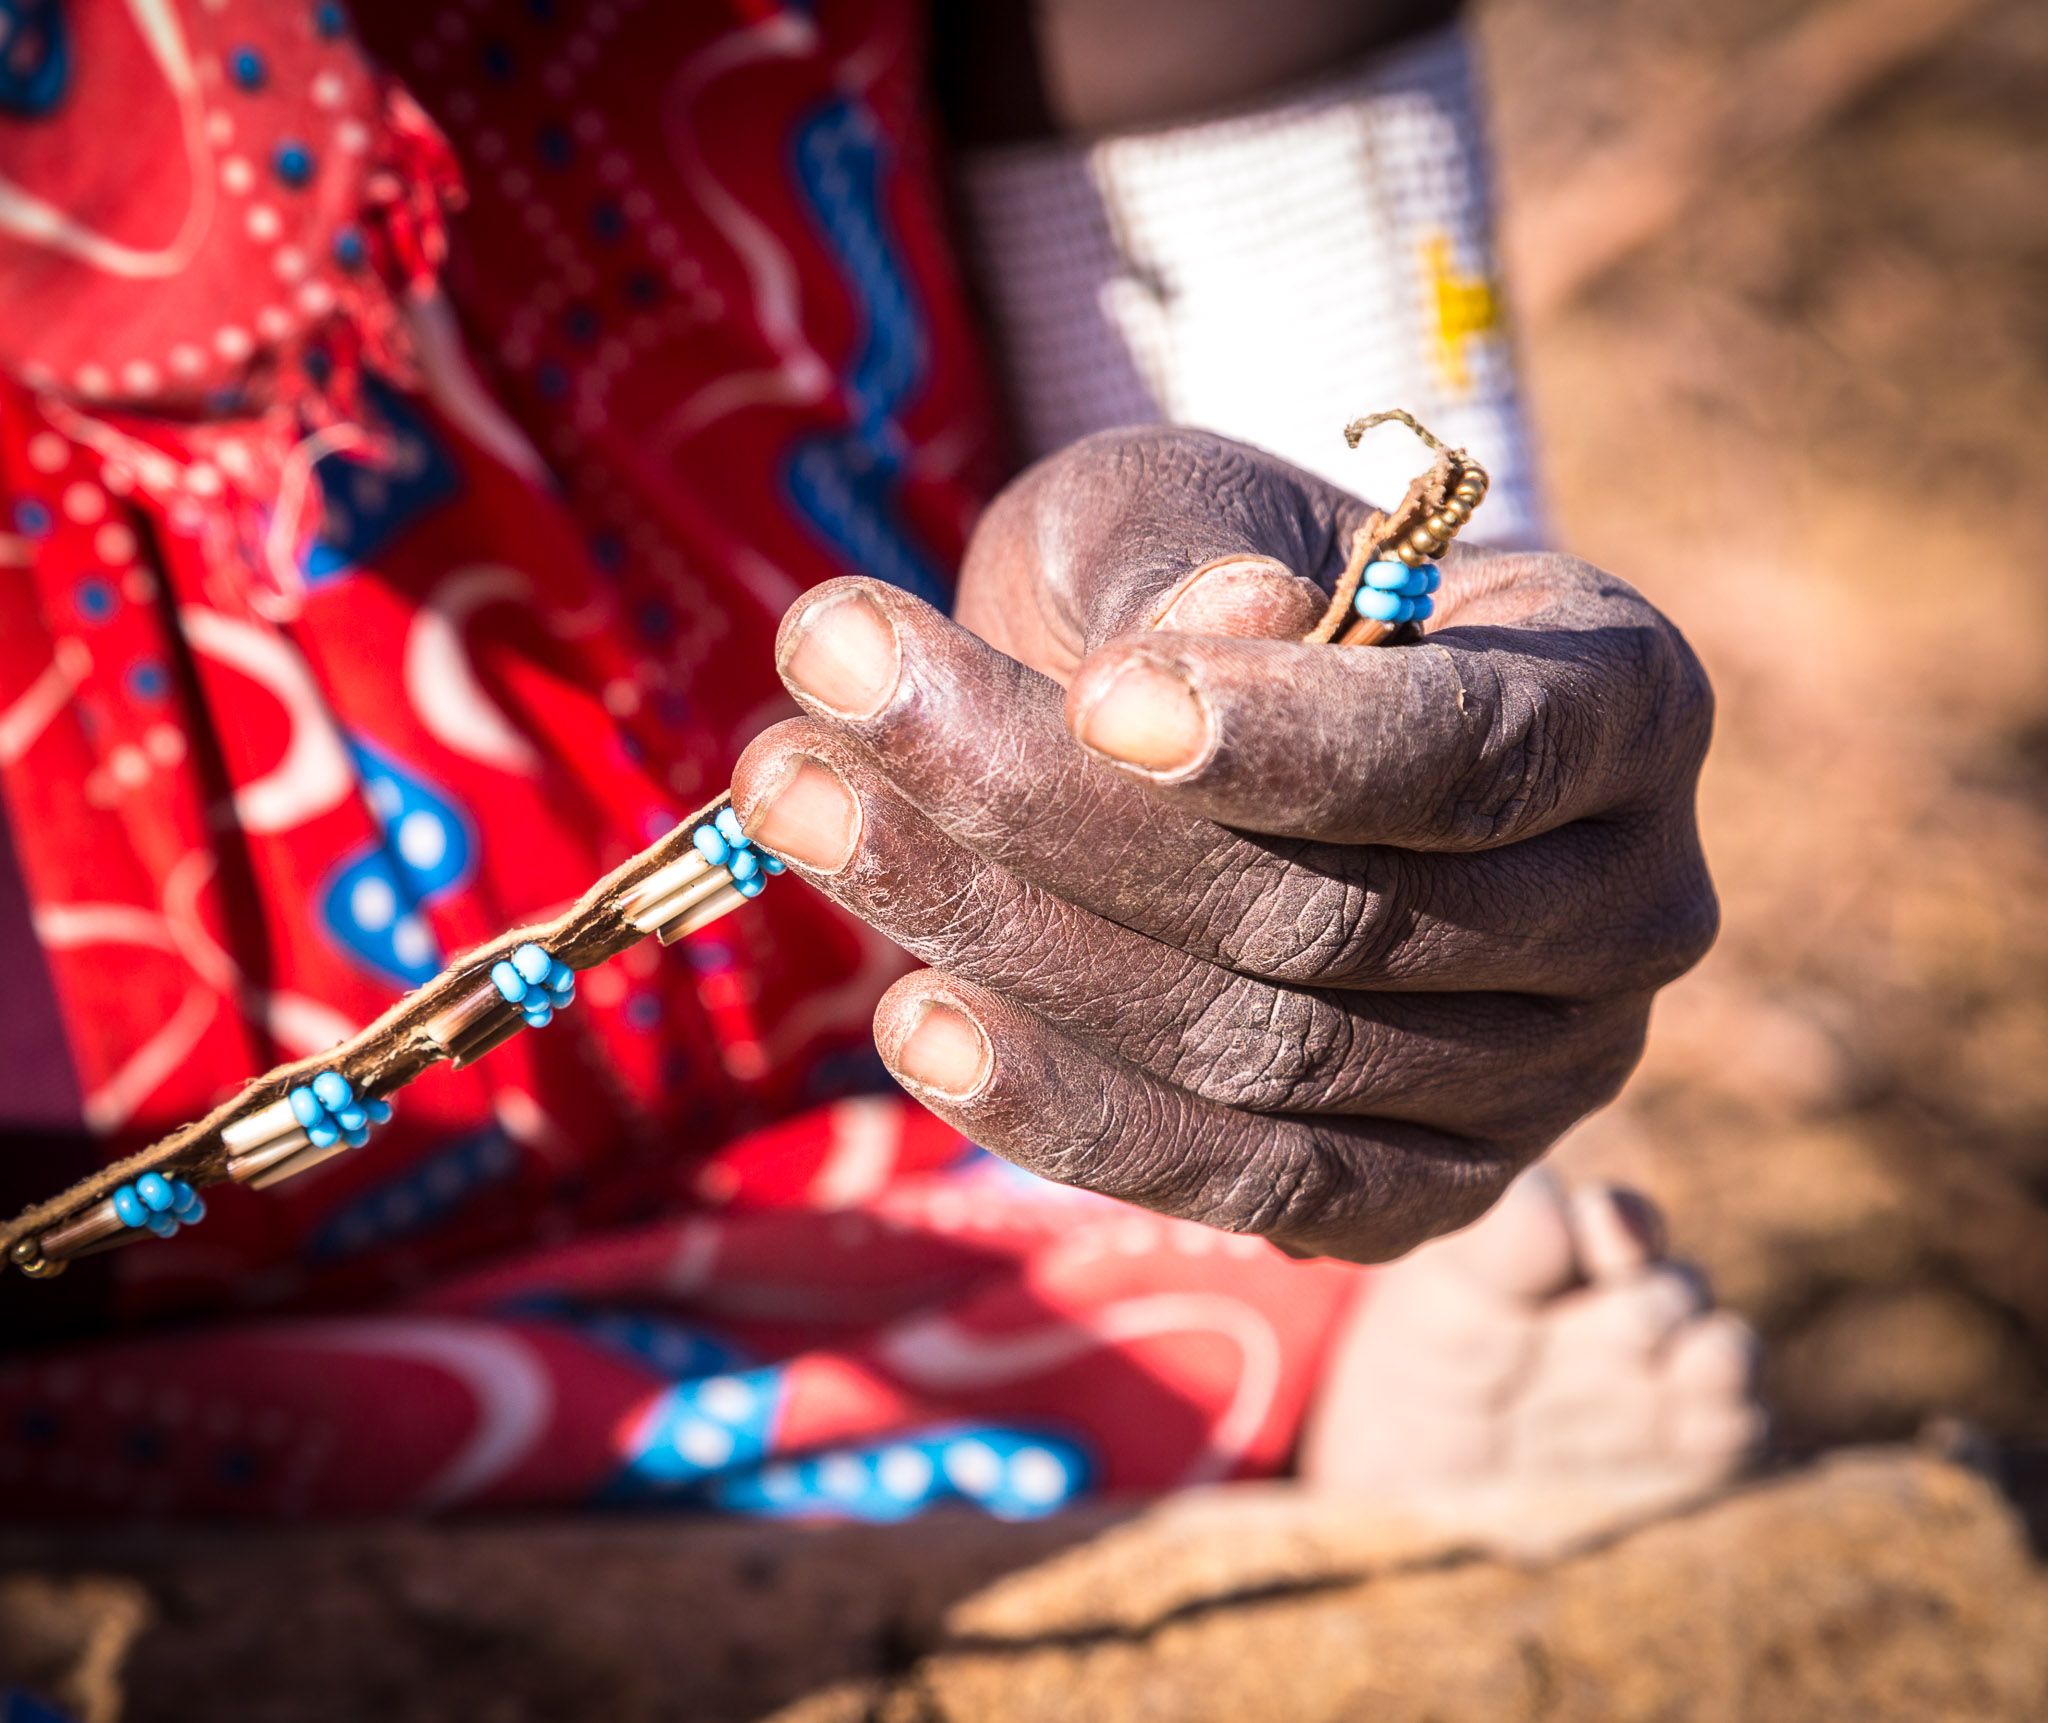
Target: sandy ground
(1808, 416)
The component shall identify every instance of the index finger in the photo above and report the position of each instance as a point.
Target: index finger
(1477, 737)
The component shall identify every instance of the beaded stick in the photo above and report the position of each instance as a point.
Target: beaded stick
(299, 1114)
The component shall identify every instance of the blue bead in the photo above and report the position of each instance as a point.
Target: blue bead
(379, 1111)
(538, 1013)
(728, 824)
(185, 1200)
(560, 975)
(770, 864)
(163, 1225)
(509, 981)
(744, 865)
(1436, 578)
(532, 964)
(129, 1207)
(1387, 576)
(323, 1135)
(352, 1118)
(305, 1108)
(710, 845)
(1425, 606)
(564, 995)
(155, 1191)
(331, 1089)
(247, 69)
(357, 1137)
(749, 887)
(292, 162)
(194, 1212)
(1417, 583)
(1379, 606)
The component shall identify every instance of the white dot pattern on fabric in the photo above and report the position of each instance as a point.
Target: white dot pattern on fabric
(726, 1399)
(842, 1477)
(411, 941)
(1036, 1477)
(904, 1473)
(703, 1443)
(373, 903)
(973, 1467)
(1269, 275)
(422, 839)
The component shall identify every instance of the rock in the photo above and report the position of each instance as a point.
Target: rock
(67, 1640)
(1880, 1586)
(609, 1620)
(1879, 1362)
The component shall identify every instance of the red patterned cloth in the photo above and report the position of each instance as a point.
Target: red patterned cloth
(323, 656)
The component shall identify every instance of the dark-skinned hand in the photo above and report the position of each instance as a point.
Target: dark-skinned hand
(1323, 943)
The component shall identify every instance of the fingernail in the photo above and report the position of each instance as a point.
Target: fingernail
(945, 1052)
(844, 655)
(1252, 597)
(1620, 1231)
(811, 819)
(1147, 717)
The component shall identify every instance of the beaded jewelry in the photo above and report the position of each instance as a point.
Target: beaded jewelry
(298, 1116)
(1391, 572)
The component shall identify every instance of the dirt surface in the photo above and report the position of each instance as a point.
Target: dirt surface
(1809, 417)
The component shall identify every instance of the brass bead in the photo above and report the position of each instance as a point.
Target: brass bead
(1468, 494)
(1443, 525)
(27, 1255)
(1426, 542)
(1455, 511)
(1409, 554)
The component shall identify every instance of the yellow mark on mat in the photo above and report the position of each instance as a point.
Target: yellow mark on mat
(1466, 307)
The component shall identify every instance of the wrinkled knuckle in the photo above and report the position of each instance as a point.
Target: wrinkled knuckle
(1673, 933)
(1267, 1050)
(1518, 780)
(1608, 1056)
(1290, 1190)
(1695, 923)
(1303, 929)
(1289, 921)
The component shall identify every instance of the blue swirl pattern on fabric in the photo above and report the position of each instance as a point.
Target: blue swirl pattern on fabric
(419, 1197)
(1013, 1474)
(370, 904)
(845, 483)
(366, 505)
(695, 1431)
(35, 57)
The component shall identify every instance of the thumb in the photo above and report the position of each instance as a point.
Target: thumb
(1250, 597)
(1155, 527)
